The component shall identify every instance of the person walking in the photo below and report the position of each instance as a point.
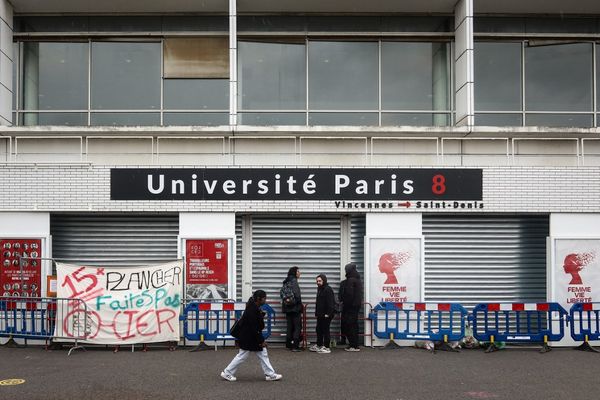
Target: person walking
(251, 340)
(351, 296)
(291, 305)
(325, 310)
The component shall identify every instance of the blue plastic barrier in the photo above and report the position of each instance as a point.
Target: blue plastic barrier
(212, 320)
(518, 322)
(438, 322)
(585, 324)
(27, 318)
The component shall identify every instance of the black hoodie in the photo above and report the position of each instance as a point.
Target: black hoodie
(325, 299)
(351, 289)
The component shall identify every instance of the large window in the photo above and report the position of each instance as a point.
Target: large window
(535, 83)
(325, 82)
(168, 82)
(185, 81)
(272, 79)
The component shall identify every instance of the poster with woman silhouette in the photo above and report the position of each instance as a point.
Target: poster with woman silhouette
(576, 271)
(395, 270)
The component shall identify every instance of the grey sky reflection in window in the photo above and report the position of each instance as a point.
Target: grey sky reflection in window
(55, 76)
(498, 76)
(414, 76)
(343, 75)
(125, 76)
(558, 77)
(272, 76)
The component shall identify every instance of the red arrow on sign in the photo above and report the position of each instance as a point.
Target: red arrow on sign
(406, 204)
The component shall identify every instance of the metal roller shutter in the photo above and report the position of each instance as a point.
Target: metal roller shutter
(280, 242)
(357, 243)
(122, 240)
(238, 257)
(472, 259)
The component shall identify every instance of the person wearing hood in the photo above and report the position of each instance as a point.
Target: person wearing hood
(291, 305)
(251, 339)
(351, 297)
(325, 310)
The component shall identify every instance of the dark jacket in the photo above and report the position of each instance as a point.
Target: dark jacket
(325, 300)
(253, 323)
(351, 289)
(297, 306)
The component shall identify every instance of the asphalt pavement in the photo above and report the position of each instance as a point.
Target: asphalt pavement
(405, 374)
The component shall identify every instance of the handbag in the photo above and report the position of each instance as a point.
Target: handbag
(236, 328)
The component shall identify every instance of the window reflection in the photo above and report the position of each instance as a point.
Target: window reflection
(272, 76)
(125, 76)
(558, 77)
(498, 76)
(415, 76)
(55, 76)
(343, 75)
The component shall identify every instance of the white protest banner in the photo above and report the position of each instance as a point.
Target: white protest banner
(124, 305)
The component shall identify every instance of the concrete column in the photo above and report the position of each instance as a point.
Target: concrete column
(233, 90)
(463, 63)
(210, 226)
(6, 62)
(388, 226)
(573, 234)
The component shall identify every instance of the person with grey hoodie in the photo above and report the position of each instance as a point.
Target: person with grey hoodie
(351, 297)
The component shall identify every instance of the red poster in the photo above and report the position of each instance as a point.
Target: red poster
(206, 271)
(16, 279)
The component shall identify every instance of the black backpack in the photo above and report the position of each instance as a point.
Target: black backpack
(287, 293)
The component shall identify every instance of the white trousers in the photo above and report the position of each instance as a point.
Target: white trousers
(242, 355)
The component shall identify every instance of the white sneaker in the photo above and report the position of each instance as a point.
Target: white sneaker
(228, 377)
(274, 377)
(352, 349)
(324, 350)
(314, 347)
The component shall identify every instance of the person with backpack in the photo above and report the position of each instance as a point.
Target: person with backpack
(351, 296)
(291, 305)
(249, 334)
(325, 310)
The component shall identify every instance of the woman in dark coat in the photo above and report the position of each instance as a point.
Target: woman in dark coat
(252, 340)
(324, 312)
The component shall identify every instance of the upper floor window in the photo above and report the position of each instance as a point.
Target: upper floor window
(531, 83)
(350, 82)
(161, 82)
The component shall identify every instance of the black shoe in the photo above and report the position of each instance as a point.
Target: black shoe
(296, 350)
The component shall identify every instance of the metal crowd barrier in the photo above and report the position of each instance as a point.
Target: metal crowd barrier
(518, 322)
(35, 318)
(212, 320)
(438, 322)
(308, 315)
(585, 324)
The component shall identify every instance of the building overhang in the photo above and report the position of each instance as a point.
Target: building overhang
(306, 6)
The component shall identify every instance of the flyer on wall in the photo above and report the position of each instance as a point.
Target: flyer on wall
(207, 269)
(394, 270)
(576, 271)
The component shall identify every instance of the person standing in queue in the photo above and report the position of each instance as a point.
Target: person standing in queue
(325, 310)
(291, 305)
(251, 339)
(351, 296)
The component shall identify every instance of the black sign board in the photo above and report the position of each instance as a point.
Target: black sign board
(295, 184)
